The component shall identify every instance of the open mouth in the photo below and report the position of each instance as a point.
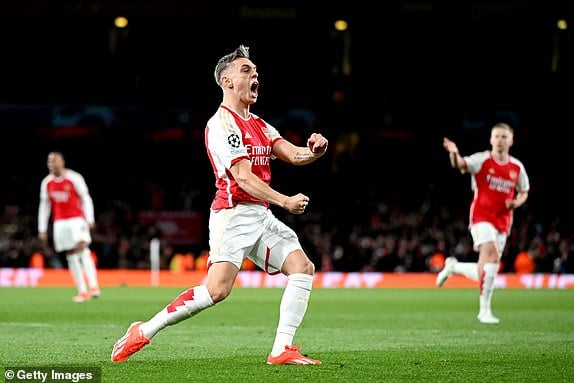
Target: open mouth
(254, 88)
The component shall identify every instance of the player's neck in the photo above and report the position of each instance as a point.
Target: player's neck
(238, 107)
(500, 156)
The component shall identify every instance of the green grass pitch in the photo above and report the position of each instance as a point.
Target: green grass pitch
(361, 335)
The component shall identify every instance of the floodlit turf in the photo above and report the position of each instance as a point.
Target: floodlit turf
(361, 335)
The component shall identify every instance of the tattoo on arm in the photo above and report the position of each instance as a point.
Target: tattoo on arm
(303, 156)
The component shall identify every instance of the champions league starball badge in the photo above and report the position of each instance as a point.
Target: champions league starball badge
(233, 140)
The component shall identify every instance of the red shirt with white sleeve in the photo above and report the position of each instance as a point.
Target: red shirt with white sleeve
(493, 183)
(230, 138)
(64, 197)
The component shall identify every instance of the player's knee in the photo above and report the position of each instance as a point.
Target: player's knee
(297, 262)
(302, 267)
(80, 246)
(308, 267)
(492, 256)
(219, 293)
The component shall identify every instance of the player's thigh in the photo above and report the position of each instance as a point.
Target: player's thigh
(220, 279)
(485, 234)
(277, 242)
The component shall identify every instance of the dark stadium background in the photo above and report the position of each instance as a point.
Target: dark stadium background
(128, 107)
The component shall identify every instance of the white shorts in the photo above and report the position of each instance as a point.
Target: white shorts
(69, 232)
(250, 231)
(482, 232)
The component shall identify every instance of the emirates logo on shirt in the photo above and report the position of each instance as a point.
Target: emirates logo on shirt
(59, 196)
(259, 154)
(500, 184)
(233, 140)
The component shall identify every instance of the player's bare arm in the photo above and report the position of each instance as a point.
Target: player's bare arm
(253, 185)
(518, 201)
(456, 160)
(300, 155)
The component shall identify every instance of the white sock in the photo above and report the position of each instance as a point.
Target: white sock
(291, 310)
(468, 269)
(186, 305)
(75, 268)
(487, 285)
(89, 268)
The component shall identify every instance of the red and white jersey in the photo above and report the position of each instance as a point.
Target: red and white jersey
(64, 197)
(230, 138)
(493, 183)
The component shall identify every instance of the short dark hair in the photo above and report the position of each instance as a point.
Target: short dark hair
(223, 63)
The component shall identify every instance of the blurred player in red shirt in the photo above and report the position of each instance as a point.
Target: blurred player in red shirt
(500, 185)
(64, 195)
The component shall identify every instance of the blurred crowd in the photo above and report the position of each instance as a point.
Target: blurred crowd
(380, 236)
(367, 211)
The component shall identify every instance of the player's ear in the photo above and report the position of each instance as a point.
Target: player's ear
(226, 81)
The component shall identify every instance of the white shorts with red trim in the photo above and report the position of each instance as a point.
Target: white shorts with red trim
(482, 232)
(250, 231)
